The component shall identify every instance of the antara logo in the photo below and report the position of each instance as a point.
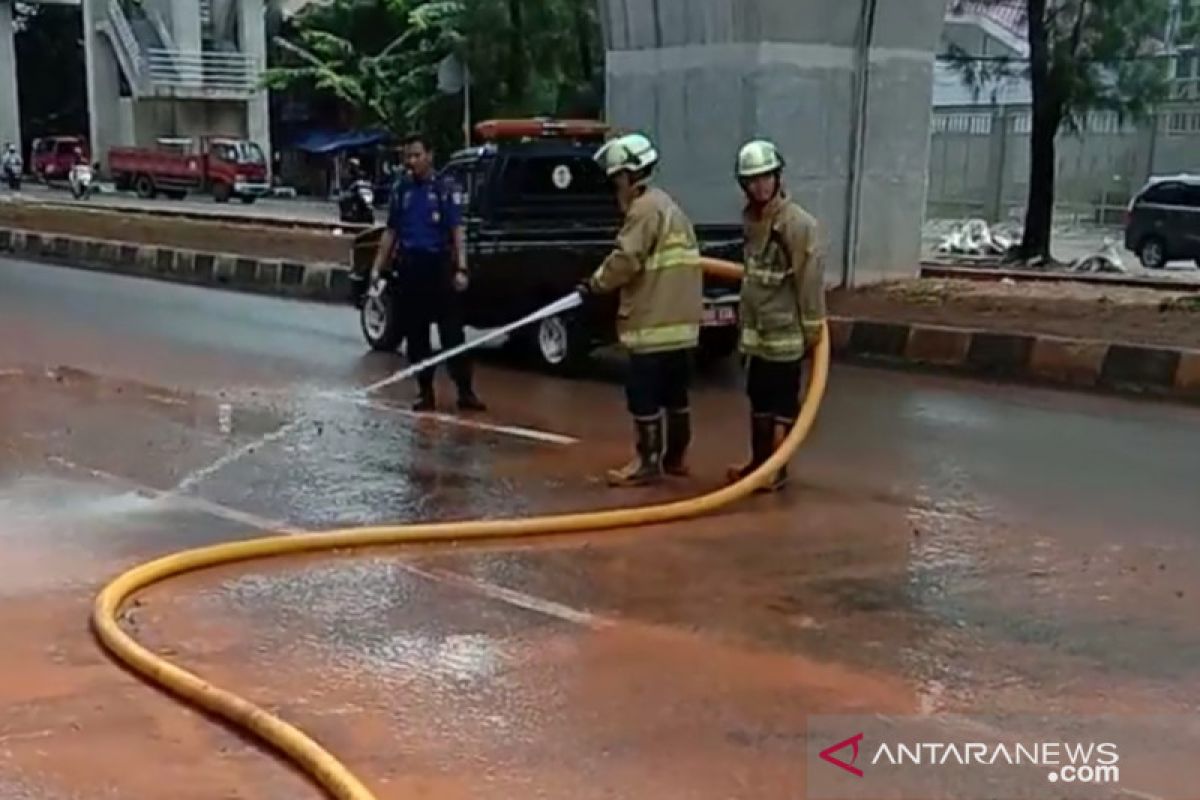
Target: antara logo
(828, 754)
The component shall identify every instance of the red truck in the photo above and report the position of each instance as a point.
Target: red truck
(52, 157)
(225, 166)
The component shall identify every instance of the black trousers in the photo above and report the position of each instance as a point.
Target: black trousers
(658, 381)
(428, 298)
(774, 387)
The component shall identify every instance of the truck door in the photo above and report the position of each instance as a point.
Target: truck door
(557, 217)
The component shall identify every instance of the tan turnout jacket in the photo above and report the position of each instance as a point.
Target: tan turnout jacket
(656, 266)
(783, 293)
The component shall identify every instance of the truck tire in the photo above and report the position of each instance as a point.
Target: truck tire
(248, 199)
(144, 186)
(1152, 252)
(559, 345)
(380, 322)
(222, 192)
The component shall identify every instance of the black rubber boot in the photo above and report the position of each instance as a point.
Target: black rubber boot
(762, 443)
(679, 436)
(779, 432)
(426, 401)
(646, 468)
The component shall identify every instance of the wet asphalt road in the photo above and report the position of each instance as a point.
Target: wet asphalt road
(947, 546)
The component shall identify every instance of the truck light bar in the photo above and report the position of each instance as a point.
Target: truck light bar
(540, 128)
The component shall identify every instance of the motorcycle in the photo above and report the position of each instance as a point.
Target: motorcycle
(82, 180)
(12, 173)
(357, 204)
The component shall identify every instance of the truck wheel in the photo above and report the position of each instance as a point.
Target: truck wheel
(380, 322)
(248, 199)
(717, 344)
(222, 192)
(1153, 253)
(144, 186)
(559, 344)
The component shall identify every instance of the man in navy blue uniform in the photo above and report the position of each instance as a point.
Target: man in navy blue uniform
(426, 242)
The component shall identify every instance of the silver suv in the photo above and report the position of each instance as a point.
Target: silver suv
(1162, 223)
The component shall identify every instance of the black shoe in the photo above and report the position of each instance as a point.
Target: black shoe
(425, 402)
(469, 402)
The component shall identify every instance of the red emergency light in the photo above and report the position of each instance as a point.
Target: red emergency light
(496, 129)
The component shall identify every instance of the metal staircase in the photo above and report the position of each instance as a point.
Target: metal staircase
(155, 68)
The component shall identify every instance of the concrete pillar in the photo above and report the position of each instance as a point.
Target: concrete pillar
(185, 25)
(703, 76)
(252, 26)
(10, 108)
(103, 85)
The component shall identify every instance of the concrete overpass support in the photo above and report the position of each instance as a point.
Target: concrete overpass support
(843, 86)
(10, 108)
(253, 31)
(107, 114)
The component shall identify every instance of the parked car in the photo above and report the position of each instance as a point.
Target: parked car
(53, 157)
(541, 216)
(226, 167)
(1163, 221)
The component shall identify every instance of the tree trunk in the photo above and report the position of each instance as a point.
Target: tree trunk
(517, 71)
(1047, 115)
(583, 34)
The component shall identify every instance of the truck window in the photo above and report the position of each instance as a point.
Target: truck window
(250, 153)
(555, 177)
(1165, 194)
(469, 177)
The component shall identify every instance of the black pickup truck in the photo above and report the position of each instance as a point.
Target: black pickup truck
(540, 217)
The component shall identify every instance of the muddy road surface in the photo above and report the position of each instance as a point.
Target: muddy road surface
(946, 546)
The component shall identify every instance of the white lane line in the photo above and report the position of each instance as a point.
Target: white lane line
(182, 501)
(528, 602)
(463, 422)
(549, 608)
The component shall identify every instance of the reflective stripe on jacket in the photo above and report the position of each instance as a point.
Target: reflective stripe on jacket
(783, 292)
(656, 265)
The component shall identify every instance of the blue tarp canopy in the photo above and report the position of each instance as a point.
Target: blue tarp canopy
(334, 141)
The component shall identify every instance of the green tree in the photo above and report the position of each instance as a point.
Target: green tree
(49, 49)
(380, 59)
(1084, 55)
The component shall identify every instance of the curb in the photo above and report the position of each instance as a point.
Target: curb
(309, 281)
(1029, 358)
(1049, 360)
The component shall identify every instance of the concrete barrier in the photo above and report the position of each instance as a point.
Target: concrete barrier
(328, 282)
(1030, 358)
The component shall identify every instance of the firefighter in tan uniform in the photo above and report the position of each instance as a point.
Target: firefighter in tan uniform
(656, 268)
(782, 304)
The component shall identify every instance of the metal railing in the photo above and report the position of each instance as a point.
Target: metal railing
(204, 70)
(1185, 89)
(151, 70)
(126, 42)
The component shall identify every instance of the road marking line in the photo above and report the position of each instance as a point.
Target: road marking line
(449, 419)
(519, 599)
(184, 501)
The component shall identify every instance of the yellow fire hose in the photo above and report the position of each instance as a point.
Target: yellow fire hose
(293, 743)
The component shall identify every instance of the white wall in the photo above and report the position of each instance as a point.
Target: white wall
(10, 112)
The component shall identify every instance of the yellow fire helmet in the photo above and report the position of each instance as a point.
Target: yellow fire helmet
(632, 152)
(758, 157)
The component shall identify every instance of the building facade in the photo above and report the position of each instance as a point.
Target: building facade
(160, 69)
